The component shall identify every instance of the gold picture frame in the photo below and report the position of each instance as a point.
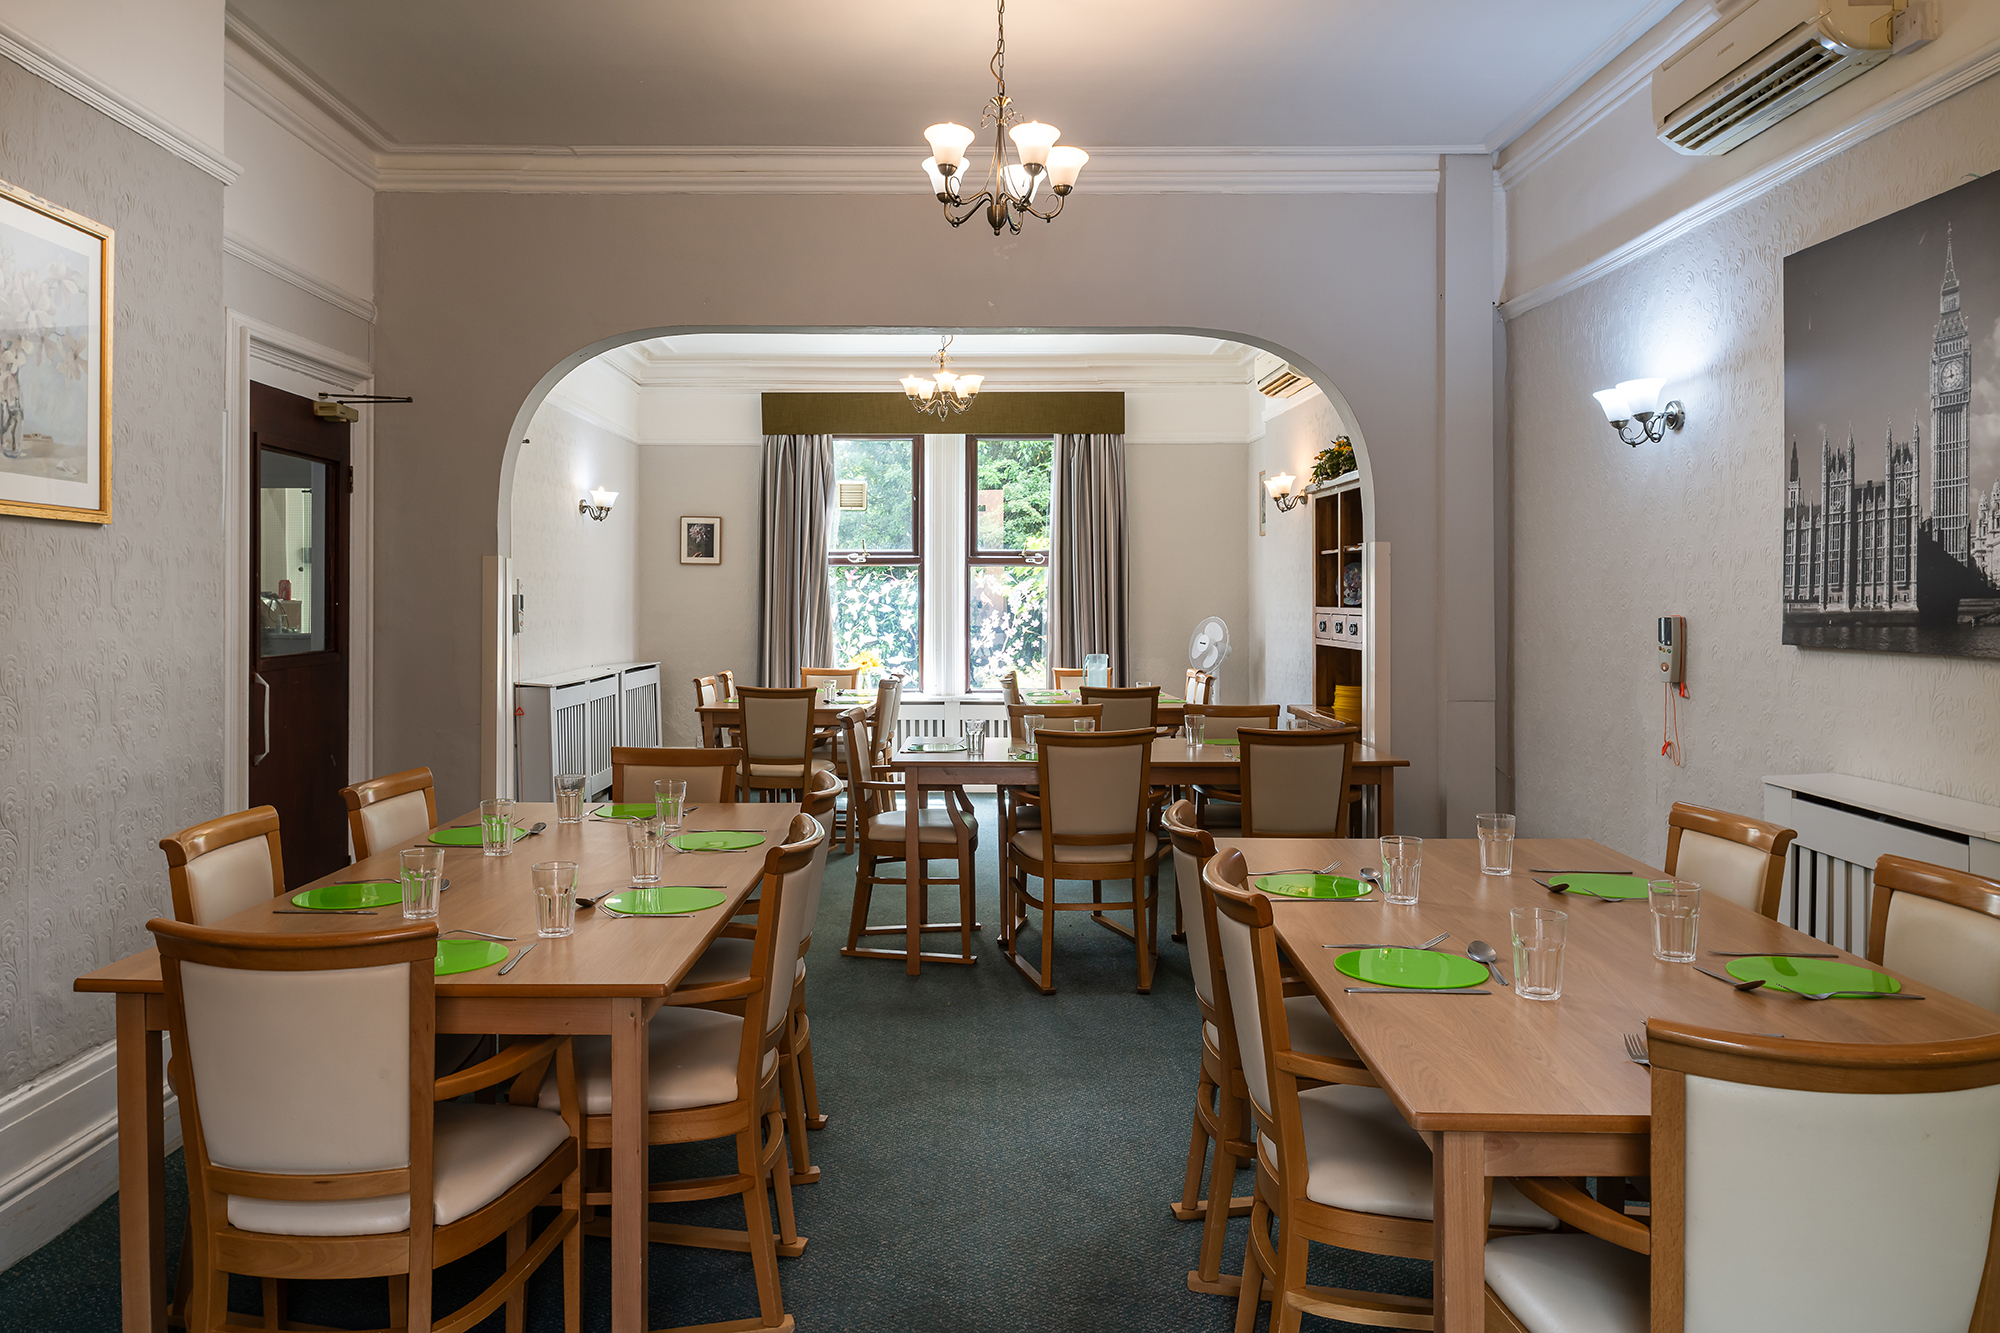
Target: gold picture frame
(55, 360)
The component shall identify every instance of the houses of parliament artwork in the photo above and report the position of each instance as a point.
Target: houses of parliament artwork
(1892, 543)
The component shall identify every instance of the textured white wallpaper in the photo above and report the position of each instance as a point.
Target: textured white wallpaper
(111, 652)
(577, 572)
(1607, 538)
(1277, 644)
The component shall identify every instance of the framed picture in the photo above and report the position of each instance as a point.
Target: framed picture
(55, 361)
(701, 540)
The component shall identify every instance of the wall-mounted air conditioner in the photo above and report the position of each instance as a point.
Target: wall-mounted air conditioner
(1765, 61)
(1276, 379)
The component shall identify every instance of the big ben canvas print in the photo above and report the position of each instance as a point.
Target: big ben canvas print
(1892, 432)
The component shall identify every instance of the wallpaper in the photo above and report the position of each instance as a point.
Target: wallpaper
(111, 652)
(1607, 538)
(577, 572)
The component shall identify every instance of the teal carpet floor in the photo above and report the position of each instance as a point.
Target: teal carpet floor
(996, 1160)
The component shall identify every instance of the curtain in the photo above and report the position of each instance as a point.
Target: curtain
(1088, 578)
(795, 625)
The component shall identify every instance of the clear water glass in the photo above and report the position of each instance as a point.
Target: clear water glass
(423, 876)
(1538, 951)
(1030, 724)
(974, 736)
(496, 826)
(1676, 905)
(569, 798)
(1193, 726)
(670, 802)
(1402, 869)
(648, 840)
(1496, 844)
(1086, 724)
(555, 898)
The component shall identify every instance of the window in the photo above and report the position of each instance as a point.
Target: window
(1007, 559)
(875, 559)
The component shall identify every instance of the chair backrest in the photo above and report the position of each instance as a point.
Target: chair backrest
(1225, 719)
(1295, 783)
(1242, 933)
(777, 725)
(839, 677)
(1125, 709)
(726, 682)
(384, 811)
(1940, 926)
(796, 868)
(1066, 678)
(1200, 688)
(1010, 688)
(225, 866)
(709, 773)
(823, 794)
(1909, 1134)
(266, 1115)
(707, 691)
(1731, 856)
(1193, 846)
(1055, 717)
(1094, 788)
(888, 711)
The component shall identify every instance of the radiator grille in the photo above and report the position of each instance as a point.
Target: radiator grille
(917, 728)
(1828, 898)
(603, 734)
(642, 715)
(570, 738)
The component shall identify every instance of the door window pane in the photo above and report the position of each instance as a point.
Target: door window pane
(889, 521)
(876, 606)
(1011, 495)
(1006, 624)
(293, 610)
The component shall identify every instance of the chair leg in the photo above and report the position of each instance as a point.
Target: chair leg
(204, 1310)
(1291, 1249)
(517, 1302)
(274, 1303)
(177, 1308)
(966, 909)
(1197, 1155)
(1251, 1294)
(399, 1300)
(1140, 930)
(1048, 937)
(864, 894)
(792, 1097)
(757, 1222)
(808, 1085)
(781, 1185)
(1215, 1224)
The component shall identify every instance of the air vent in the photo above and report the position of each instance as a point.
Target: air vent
(1282, 383)
(853, 494)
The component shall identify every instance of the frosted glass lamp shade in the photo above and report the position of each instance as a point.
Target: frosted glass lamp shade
(1033, 141)
(939, 186)
(914, 386)
(602, 498)
(948, 143)
(1613, 403)
(1280, 484)
(968, 385)
(1019, 182)
(1642, 397)
(1064, 164)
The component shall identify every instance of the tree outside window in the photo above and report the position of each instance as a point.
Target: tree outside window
(1009, 487)
(875, 557)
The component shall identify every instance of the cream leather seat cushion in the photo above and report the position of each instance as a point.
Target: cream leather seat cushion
(726, 959)
(932, 826)
(478, 1154)
(787, 770)
(1363, 1156)
(1569, 1284)
(691, 1058)
(1313, 1030)
(1028, 842)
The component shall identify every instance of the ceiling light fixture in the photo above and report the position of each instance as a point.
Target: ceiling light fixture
(1011, 187)
(945, 393)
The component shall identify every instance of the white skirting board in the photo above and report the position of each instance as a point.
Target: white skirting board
(59, 1150)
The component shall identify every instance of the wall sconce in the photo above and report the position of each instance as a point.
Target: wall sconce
(1639, 401)
(598, 506)
(1280, 487)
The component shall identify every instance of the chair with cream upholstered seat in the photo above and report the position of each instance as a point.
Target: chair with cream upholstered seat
(1199, 688)
(225, 865)
(709, 773)
(1336, 1162)
(1885, 1159)
(343, 1156)
(1219, 805)
(947, 833)
(1296, 784)
(1066, 678)
(841, 678)
(1937, 925)
(1730, 856)
(778, 737)
(382, 812)
(1010, 688)
(1124, 709)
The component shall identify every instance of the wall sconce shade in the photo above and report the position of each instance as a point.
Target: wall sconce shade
(1638, 401)
(1280, 487)
(598, 506)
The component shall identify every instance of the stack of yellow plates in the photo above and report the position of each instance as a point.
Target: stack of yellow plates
(1347, 703)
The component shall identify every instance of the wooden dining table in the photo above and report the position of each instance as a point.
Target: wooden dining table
(608, 978)
(1502, 1086)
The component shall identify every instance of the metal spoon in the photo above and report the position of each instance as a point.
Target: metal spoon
(1565, 888)
(538, 828)
(1739, 985)
(1479, 951)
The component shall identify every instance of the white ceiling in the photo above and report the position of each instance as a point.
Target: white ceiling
(923, 346)
(1124, 73)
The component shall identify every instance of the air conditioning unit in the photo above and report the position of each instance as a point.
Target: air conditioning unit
(1762, 63)
(1275, 379)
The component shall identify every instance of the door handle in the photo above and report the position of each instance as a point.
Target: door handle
(265, 752)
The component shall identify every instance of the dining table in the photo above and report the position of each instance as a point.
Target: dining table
(1503, 1086)
(608, 978)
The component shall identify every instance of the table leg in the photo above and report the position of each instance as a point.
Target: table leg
(913, 872)
(1458, 1212)
(1387, 801)
(142, 1172)
(629, 1077)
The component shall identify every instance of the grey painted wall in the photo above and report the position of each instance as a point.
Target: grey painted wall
(576, 572)
(249, 290)
(481, 295)
(111, 652)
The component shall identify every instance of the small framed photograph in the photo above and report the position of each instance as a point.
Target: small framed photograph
(701, 540)
(55, 361)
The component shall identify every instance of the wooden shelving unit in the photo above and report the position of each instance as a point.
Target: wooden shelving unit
(1339, 638)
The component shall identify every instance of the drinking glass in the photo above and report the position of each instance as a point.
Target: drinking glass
(974, 736)
(1402, 868)
(1086, 724)
(669, 800)
(1194, 725)
(555, 898)
(648, 839)
(569, 798)
(1676, 907)
(1030, 724)
(1496, 844)
(1538, 952)
(423, 875)
(1142, 684)
(496, 826)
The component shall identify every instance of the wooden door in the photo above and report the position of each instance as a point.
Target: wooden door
(299, 487)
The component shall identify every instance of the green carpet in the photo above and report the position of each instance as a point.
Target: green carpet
(996, 1160)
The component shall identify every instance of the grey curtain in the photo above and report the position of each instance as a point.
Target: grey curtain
(1088, 615)
(795, 626)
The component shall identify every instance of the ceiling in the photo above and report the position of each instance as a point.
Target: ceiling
(1123, 73)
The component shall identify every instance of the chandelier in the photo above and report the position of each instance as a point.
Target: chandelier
(1011, 188)
(945, 393)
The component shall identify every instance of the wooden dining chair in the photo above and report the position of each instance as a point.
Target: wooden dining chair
(382, 812)
(842, 678)
(1199, 688)
(343, 1156)
(947, 833)
(1010, 688)
(1125, 709)
(1219, 804)
(778, 734)
(1336, 1162)
(1886, 1159)
(1940, 926)
(1094, 797)
(711, 774)
(715, 1075)
(1066, 678)
(1020, 807)
(225, 865)
(1296, 784)
(1731, 856)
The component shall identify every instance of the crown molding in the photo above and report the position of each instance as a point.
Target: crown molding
(1982, 64)
(259, 258)
(46, 64)
(303, 83)
(1041, 374)
(270, 97)
(1581, 73)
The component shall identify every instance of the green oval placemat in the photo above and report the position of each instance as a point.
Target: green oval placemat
(663, 899)
(634, 810)
(1602, 886)
(1811, 974)
(1415, 969)
(348, 897)
(467, 955)
(465, 837)
(716, 840)
(1313, 886)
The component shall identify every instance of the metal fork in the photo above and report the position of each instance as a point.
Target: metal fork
(1635, 1048)
(461, 930)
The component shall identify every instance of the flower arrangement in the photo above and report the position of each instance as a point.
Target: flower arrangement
(868, 662)
(38, 310)
(1335, 462)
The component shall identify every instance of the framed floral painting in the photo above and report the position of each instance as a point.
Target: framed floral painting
(701, 540)
(55, 361)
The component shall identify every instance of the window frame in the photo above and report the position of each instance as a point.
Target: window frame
(913, 557)
(976, 557)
